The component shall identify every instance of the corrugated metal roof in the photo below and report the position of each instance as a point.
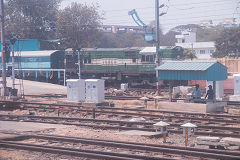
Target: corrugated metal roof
(192, 70)
(186, 65)
(107, 49)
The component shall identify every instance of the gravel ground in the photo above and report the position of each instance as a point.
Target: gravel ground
(84, 132)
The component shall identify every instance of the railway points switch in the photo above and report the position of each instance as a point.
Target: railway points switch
(190, 128)
(161, 127)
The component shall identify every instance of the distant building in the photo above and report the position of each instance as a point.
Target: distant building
(26, 45)
(228, 22)
(202, 50)
(206, 24)
(186, 37)
(121, 29)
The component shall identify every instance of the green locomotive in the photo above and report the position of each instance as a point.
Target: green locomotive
(135, 66)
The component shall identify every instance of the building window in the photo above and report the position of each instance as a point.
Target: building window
(134, 60)
(151, 58)
(211, 51)
(143, 58)
(147, 58)
(202, 51)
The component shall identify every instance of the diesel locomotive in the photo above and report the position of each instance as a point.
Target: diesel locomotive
(135, 66)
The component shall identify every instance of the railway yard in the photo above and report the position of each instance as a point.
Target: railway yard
(47, 126)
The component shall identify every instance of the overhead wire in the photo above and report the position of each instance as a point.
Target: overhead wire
(187, 19)
(151, 7)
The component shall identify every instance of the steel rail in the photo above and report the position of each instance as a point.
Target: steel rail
(73, 152)
(196, 152)
(108, 127)
(102, 109)
(125, 109)
(120, 122)
(131, 109)
(163, 116)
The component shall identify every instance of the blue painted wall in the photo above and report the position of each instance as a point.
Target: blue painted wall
(26, 45)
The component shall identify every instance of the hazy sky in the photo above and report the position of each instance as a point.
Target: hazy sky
(179, 11)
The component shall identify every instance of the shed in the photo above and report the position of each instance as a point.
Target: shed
(192, 70)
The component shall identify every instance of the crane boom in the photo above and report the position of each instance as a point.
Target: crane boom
(136, 18)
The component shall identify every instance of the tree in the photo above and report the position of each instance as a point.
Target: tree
(229, 43)
(78, 25)
(31, 19)
(122, 40)
(209, 34)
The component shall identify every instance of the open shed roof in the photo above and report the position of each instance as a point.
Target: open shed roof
(192, 70)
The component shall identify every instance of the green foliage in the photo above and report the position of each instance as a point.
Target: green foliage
(189, 54)
(78, 25)
(113, 40)
(209, 34)
(31, 19)
(229, 43)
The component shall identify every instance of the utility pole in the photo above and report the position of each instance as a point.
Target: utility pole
(157, 41)
(79, 63)
(157, 32)
(192, 52)
(13, 40)
(3, 91)
(157, 37)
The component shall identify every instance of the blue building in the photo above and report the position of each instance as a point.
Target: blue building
(25, 45)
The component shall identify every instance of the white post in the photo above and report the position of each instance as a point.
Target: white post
(64, 77)
(13, 68)
(79, 65)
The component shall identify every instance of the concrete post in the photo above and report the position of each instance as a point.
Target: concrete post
(186, 137)
(59, 77)
(47, 76)
(36, 75)
(214, 91)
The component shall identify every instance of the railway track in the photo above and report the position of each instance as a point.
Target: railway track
(222, 119)
(209, 118)
(159, 151)
(125, 98)
(122, 125)
(69, 106)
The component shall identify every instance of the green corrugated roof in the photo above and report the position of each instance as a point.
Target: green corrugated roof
(186, 65)
(192, 70)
